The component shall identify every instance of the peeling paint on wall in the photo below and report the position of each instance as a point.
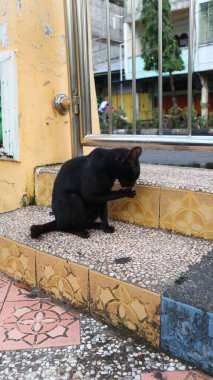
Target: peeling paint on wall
(4, 39)
(34, 28)
(19, 7)
(48, 30)
(64, 40)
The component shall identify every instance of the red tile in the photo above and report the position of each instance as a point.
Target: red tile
(37, 324)
(4, 286)
(176, 375)
(17, 294)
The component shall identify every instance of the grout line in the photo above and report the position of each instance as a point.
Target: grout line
(7, 292)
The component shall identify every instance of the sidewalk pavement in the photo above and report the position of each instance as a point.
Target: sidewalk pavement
(41, 338)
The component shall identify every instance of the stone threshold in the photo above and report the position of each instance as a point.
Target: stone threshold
(154, 284)
(170, 198)
(174, 177)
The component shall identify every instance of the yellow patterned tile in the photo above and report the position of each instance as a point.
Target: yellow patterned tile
(125, 305)
(190, 213)
(17, 260)
(142, 210)
(43, 188)
(62, 279)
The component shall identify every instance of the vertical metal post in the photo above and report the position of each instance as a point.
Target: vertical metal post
(190, 65)
(84, 71)
(121, 74)
(134, 116)
(109, 66)
(72, 76)
(160, 66)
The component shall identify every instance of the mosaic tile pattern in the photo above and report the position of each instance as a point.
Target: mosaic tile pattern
(187, 212)
(142, 210)
(27, 324)
(63, 279)
(187, 332)
(122, 304)
(17, 261)
(43, 188)
(36, 324)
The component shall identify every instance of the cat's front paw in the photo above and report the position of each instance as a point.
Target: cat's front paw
(109, 229)
(84, 234)
(129, 193)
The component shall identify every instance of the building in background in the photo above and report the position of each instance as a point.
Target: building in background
(147, 81)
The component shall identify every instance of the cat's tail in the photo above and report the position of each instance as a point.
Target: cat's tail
(37, 229)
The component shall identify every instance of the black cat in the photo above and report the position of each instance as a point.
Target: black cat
(83, 186)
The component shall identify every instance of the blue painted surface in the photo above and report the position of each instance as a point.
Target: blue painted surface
(187, 332)
(141, 73)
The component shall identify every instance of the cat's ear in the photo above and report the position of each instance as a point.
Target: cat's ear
(135, 153)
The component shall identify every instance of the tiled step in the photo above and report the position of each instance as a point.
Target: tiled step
(171, 198)
(155, 284)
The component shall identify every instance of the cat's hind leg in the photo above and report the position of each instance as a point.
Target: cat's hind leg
(37, 229)
(71, 216)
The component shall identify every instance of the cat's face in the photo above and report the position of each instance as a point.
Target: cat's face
(129, 168)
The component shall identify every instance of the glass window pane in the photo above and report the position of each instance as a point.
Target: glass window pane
(175, 66)
(203, 23)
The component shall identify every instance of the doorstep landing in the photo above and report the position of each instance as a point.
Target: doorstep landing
(171, 198)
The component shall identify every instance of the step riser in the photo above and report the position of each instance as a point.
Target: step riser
(181, 211)
(186, 332)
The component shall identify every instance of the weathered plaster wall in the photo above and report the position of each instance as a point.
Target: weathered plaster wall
(35, 30)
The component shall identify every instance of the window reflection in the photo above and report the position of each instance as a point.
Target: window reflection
(175, 113)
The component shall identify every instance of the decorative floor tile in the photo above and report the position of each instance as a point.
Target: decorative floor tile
(17, 261)
(37, 324)
(125, 305)
(4, 287)
(190, 213)
(187, 332)
(63, 279)
(18, 292)
(142, 210)
(176, 375)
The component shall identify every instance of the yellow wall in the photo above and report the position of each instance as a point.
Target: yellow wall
(145, 105)
(35, 30)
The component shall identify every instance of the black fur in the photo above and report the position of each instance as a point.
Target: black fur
(83, 187)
